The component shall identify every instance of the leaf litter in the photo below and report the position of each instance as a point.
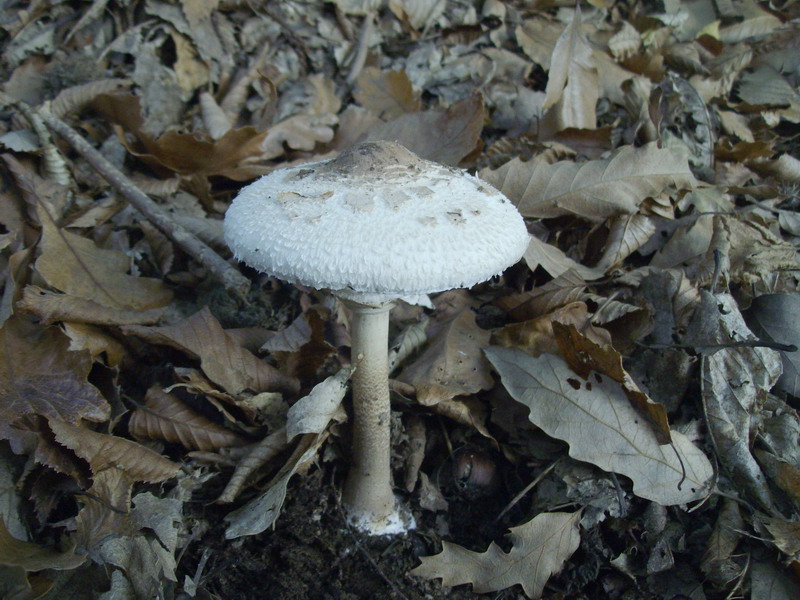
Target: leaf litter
(622, 402)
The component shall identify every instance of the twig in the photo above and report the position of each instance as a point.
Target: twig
(740, 344)
(223, 272)
(362, 49)
(526, 489)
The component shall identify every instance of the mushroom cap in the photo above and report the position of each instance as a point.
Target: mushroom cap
(375, 224)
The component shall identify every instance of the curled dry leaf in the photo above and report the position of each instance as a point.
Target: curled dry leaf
(540, 549)
(33, 557)
(452, 365)
(310, 414)
(260, 513)
(596, 189)
(555, 262)
(601, 427)
(221, 358)
(104, 451)
(535, 336)
(735, 381)
(166, 417)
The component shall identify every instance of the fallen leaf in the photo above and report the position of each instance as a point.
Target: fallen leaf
(103, 451)
(260, 513)
(386, 93)
(222, 360)
(774, 317)
(76, 266)
(444, 136)
(596, 189)
(601, 427)
(452, 364)
(33, 557)
(584, 355)
(165, 417)
(735, 380)
(312, 413)
(50, 307)
(40, 376)
(540, 548)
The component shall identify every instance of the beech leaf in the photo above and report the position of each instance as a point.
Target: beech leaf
(166, 417)
(33, 557)
(103, 451)
(601, 427)
(596, 189)
(221, 358)
(540, 549)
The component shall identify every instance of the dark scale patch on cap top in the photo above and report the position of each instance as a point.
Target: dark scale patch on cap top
(368, 157)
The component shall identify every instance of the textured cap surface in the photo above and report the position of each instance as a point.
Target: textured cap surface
(374, 224)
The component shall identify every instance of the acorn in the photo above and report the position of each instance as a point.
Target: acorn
(475, 472)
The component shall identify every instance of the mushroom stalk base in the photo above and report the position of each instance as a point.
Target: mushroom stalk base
(368, 498)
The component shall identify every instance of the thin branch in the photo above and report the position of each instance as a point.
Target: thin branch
(220, 269)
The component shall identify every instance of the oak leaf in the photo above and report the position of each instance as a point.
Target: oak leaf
(540, 549)
(39, 375)
(601, 427)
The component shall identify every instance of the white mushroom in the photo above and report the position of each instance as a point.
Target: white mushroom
(375, 224)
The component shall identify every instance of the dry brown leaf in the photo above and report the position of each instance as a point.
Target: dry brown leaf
(222, 360)
(388, 94)
(76, 97)
(535, 336)
(96, 520)
(96, 342)
(50, 307)
(103, 451)
(452, 364)
(598, 422)
(181, 152)
(627, 234)
(540, 549)
(562, 290)
(40, 376)
(166, 417)
(735, 380)
(33, 557)
(261, 512)
(76, 266)
(718, 563)
(555, 261)
(595, 190)
(444, 136)
(584, 355)
(572, 86)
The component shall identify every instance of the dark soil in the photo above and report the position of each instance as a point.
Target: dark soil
(313, 554)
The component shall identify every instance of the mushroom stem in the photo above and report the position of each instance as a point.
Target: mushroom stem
(368, 496)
